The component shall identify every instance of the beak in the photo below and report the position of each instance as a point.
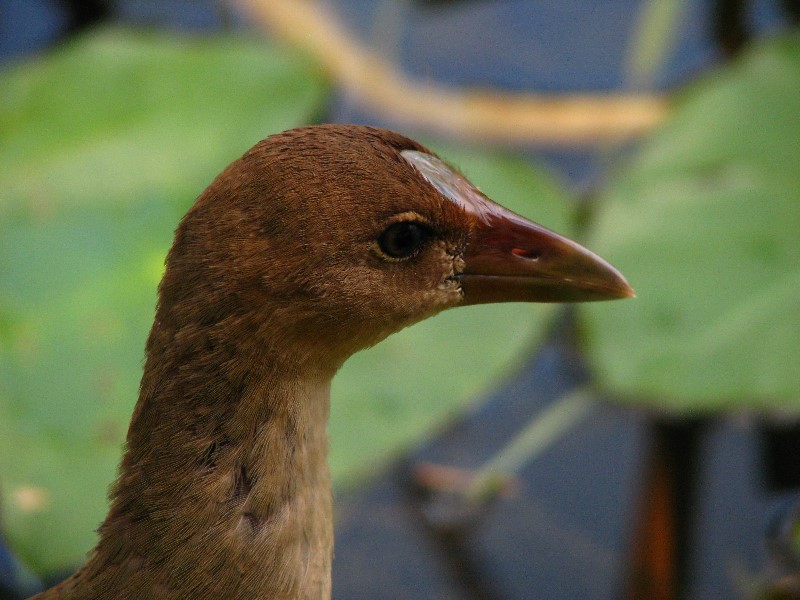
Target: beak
(511, 259)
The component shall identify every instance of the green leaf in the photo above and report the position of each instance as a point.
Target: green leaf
(705, 223)
(103, 146)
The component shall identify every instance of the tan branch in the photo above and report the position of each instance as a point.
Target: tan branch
(486, 115)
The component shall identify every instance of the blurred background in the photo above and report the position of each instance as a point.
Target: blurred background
(642, 449)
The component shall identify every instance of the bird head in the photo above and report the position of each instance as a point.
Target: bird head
(329, 238)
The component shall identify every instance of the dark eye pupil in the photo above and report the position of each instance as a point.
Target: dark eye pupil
(401, 240)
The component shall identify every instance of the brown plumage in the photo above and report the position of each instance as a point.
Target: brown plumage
(316, 243)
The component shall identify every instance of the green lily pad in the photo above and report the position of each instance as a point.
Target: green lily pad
(705, 223)
(104, 144)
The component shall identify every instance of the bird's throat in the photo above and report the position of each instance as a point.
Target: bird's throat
(224, 490)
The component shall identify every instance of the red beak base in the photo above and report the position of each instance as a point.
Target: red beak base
(512, 259)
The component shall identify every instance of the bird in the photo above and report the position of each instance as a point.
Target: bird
(318, 242)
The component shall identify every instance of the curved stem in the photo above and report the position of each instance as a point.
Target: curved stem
(537, 435)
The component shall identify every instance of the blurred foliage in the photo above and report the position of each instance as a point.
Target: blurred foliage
(104, 145)
(705, 223)
(653, 39)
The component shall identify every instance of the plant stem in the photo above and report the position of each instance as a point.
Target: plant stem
(540, 432)
(663, 542)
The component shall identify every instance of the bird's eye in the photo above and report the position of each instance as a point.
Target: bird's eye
(404, 239)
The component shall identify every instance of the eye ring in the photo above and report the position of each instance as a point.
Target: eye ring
(404, 239)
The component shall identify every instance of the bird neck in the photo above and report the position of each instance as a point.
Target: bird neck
(224, 490)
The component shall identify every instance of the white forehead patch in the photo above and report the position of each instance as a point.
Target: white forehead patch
(450, 184)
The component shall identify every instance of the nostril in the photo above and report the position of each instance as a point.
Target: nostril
(529, 254)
